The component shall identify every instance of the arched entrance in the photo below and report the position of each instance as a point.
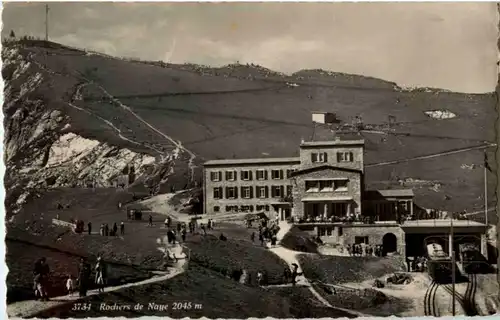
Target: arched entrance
(390, 242)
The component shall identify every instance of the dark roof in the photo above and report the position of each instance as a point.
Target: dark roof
(394, 193)
(252, 161)
(322, 167)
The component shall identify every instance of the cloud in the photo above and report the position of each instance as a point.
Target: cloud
(445, 45)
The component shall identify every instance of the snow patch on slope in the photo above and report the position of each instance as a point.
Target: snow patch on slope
(440, 114)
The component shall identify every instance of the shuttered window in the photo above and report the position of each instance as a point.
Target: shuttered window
(216, 175)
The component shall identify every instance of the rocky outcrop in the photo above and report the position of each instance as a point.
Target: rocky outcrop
(41, 150)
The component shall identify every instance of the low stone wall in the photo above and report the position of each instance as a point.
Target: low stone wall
(63, 223)
(345, 234)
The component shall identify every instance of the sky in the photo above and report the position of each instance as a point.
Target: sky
(444, 45)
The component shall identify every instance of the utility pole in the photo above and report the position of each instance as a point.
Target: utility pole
(46, 22)
(452, 268)
(486, 194)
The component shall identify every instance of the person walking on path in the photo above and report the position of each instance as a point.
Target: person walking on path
(122, 228)
(41, 273)
(183, 234)
(100, 276)
(89, 227)
(70, 286)
(295, 273)
(83, 277)
(166, 223)
(150, 224)
(261, 239)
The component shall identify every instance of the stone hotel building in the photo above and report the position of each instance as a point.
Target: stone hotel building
(323, 191)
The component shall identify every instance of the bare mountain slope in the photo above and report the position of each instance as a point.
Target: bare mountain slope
(166, 119)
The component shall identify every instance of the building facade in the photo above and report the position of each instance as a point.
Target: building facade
(247, 185)
(322, 191)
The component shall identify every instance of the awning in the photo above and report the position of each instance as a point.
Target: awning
(441, 223)
(330, 199)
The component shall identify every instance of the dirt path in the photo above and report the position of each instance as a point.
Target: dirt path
(290, 257)
(479, 212)
(31, 307)
(177, 144)
(430, 156)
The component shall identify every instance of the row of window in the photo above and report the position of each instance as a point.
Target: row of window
(247, 175)
(322, 157)
(243, 208)
(327, 185)
(247, 192)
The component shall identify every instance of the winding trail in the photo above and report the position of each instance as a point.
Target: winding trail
(430, 156)
(479, 211)
(177, 143)
(290, 257)
(77, 96)
(29, 308)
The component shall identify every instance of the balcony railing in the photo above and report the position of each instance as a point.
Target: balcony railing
(378, 220)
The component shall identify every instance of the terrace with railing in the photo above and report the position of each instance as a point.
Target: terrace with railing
(428, 218)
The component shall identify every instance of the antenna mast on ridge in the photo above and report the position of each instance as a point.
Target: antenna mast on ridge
(46, 22)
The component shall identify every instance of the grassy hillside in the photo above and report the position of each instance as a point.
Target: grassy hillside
(246, 111)
(340, 269)
(215, 294)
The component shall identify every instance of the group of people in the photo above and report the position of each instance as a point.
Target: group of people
(105, 230)
(182, 229)
(266, 233)
(416, 264)
(362, 250)
(42, 272)
(245, 277)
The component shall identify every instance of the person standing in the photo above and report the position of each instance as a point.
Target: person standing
(122, 228)
(252, 237)
(41, 278)
(106, 229)
(150, 220)
(101, 229)
(83, 277)
(89, 227)
(115, 229)
(70, 287)
(183, 233)
(100, 276)
(261, 239)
